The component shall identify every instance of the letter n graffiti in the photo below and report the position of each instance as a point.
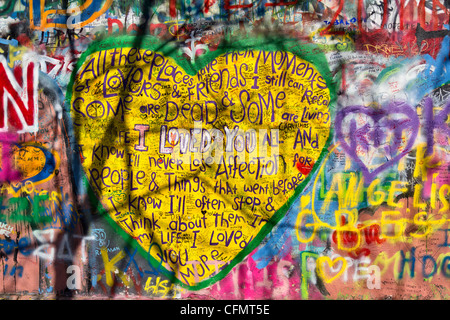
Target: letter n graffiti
(19, 96)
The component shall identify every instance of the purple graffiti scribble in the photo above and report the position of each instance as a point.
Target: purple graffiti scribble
(433, 123)
(374, 135)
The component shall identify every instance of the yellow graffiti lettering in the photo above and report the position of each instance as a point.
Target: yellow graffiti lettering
(423, 163)
(389, 226)
(381, 195)
(443, 193)
(110, 267)
(392, 193)
(350, 226)
(417, 196)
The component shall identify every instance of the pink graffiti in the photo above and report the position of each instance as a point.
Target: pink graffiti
(8, 173)
(279, 280)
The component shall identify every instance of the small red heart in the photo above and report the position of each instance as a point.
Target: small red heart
(304, 169)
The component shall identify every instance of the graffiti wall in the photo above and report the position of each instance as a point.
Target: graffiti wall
(225, 149)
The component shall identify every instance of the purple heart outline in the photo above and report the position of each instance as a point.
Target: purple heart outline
(381, 125)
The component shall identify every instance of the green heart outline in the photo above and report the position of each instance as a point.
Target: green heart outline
(304, 50)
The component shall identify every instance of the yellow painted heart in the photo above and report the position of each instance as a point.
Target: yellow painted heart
(207, 159)
(325, 260)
